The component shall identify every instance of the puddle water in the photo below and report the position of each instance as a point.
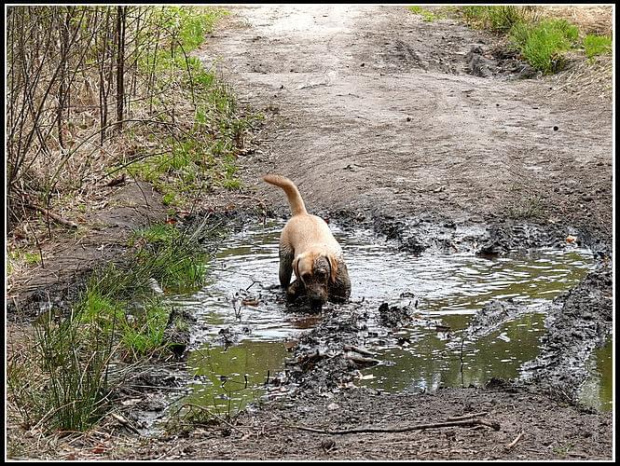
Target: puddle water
(597, 391)
(449, 289)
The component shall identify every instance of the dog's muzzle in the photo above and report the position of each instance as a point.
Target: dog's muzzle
(316, 304)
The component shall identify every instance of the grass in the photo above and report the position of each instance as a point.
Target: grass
(596, 45)
(65, 377)
(118, 321)
(427, 15)
(170, 257)
(76, 362)
(495, 18)
(543, 44)
(20, 260)
(198, 158)
(143, 334)
(176, 108)
(528, 208)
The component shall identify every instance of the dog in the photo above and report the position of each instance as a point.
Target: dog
(308, 248)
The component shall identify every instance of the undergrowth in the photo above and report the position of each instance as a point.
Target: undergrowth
(148, 109)
(64, 378)
(201, 155)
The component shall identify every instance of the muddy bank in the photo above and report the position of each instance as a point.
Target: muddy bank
(531, 427)
(580, 320)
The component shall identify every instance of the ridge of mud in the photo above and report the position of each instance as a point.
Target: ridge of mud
(579, 321)
(329, 357)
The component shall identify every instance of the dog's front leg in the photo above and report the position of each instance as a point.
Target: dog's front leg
(286, 266)
(295, 290)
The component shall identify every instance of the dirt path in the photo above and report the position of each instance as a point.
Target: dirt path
(377, 110)
(370, 110)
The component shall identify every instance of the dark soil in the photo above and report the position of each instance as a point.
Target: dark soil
(423, 132)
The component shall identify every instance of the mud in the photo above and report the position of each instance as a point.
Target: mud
(429, 135)
(580, 320)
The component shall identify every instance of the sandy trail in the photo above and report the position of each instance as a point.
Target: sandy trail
(375, 109)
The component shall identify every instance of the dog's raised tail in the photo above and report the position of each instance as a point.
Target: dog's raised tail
(292, 193)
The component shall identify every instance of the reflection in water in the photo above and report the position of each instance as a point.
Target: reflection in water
(448, 287)
(226, 378)
(429, 364)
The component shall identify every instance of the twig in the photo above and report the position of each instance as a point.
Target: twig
(363, 361)
(357, 350)
(211, 413)
(465, 423)
(514, 442)
(125, 423)
(53, 216)
(467, 416)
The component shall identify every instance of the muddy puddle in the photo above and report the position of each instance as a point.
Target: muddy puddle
(246, 328)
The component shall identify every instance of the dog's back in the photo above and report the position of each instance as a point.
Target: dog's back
(302, 229)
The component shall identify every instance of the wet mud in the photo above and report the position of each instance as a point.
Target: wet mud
(580, 321)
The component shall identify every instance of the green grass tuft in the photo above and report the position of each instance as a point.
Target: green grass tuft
(543, 44)
(499, 18)
(427, 15)
(597, 45)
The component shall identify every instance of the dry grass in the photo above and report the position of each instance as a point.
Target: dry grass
(589, 19)
(587, 78)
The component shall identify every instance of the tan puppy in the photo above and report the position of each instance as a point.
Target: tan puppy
(308, 248)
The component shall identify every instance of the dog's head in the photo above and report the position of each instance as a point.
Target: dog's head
(316, 269)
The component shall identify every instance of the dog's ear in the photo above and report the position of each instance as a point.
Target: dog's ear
(333, 264)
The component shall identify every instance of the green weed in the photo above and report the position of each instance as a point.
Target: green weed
(168, 199)
(499, 18)
(143, 333)
(543, 44)
(176, 261)
(427, 15)
(74, 360)
(596, 45)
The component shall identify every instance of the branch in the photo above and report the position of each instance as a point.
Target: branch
(514, 442)
(53, 216)
(463, 423)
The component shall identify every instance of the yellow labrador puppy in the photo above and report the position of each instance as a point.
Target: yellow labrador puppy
(308, 248)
